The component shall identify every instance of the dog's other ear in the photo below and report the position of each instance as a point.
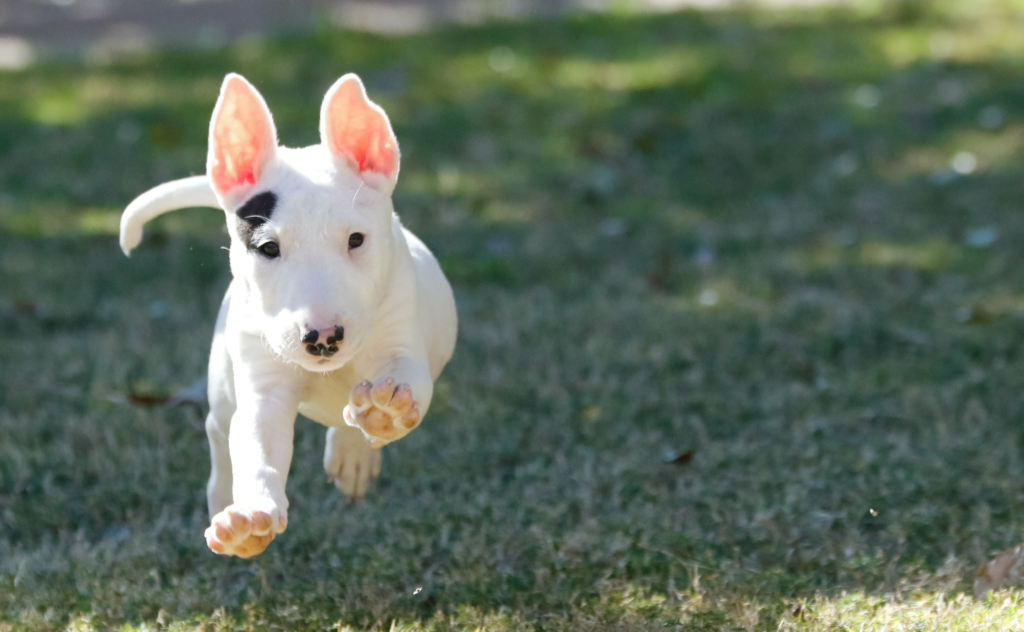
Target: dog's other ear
(358, 133)
(242, 136)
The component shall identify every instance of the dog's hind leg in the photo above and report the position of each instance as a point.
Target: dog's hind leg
(221, 393)
(350, 462)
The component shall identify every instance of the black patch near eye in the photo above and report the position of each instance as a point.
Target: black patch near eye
(255, 213)
(258, 209)
(355, 240)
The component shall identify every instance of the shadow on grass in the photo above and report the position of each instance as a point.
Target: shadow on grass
(741, 237)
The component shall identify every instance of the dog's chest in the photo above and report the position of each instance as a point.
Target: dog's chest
(325, 396)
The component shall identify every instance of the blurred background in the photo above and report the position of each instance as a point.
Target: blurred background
(741, 315)
(100, 27)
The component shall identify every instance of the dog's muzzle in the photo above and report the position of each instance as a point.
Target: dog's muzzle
(328, 347)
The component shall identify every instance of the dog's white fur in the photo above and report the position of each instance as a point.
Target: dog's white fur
(389, 294)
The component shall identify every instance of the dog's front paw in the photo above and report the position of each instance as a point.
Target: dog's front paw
(245, 533)
(383, 410)
(350, 463)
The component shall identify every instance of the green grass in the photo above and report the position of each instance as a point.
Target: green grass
(733, 233)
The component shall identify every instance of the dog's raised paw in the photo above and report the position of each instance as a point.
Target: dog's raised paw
(236, 531)
(383, 410)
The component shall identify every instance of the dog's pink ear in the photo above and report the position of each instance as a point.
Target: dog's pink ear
(358, 132)
(242, 136)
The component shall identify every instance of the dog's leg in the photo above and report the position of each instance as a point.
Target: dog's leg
(350, 463)
(218, 488)
(221, 395)
(260, 447)
(387, 408)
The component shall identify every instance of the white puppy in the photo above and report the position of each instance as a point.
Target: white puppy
(335, 311)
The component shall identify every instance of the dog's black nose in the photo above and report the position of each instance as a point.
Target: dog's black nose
(339, 335)
(325, 349)
(320, 349)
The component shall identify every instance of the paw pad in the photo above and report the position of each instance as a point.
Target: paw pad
(384, 410)
(236, 531)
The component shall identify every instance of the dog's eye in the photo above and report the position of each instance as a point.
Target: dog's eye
(270, 250)
(355, 240)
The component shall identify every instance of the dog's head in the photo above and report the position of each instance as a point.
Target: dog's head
(312, 229)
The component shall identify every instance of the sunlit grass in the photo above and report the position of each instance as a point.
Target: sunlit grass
(668, 67)
(992, 34)
(74, 101)
(930, 255)
(919, 610)
(58, 219)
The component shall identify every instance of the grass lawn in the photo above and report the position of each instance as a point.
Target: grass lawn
(741, 346)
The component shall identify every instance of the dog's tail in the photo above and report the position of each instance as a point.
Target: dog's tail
(169, 196)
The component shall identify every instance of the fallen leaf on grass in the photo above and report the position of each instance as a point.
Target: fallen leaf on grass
(193, 395)
(1003, 569)
(148, 399)
(590, 413)
(25, 308)
(661, 277)
(677, 457)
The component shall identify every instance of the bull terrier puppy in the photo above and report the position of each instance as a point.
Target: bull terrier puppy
(335, 310)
